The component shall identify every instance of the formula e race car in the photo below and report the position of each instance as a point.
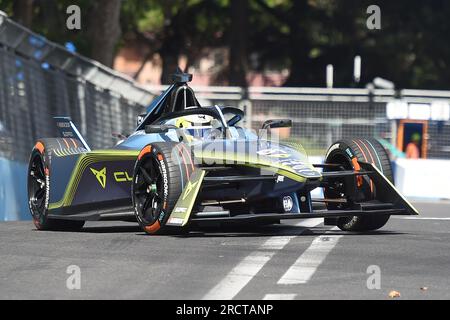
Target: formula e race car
(191, 165)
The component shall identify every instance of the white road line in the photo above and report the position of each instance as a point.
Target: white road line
(422, 218)
(306, 265)
(245, 270)
(280, 296)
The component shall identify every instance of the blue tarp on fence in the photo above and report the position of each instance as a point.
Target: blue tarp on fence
(13, 192)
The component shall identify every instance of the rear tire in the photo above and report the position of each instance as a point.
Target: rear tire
(39, 191)
(344, 152)
(159, 176)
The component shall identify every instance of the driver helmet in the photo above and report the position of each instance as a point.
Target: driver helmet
(196, 126)
(197, 120)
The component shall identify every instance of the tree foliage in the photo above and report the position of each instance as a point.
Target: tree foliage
(302, 36)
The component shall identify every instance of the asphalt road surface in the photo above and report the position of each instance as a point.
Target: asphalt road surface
(294, 260)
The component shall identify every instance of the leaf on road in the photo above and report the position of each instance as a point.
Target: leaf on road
(394, 294)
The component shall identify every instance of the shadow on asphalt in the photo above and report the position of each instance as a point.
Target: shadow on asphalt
(112, 229)
(240, 231)
(278, 231)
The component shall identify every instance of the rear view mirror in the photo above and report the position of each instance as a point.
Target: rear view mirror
(140, 118)
(159, 128)
(277, 123)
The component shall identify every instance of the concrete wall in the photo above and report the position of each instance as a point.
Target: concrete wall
(415, 179)
(427, 179)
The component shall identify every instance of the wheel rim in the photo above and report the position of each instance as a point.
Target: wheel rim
(147, 188)
(37, 186)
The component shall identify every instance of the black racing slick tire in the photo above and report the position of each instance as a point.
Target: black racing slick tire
(346, 153)
(160, 172)
(38, 186)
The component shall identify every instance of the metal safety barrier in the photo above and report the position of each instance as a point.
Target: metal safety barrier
(41, 79)
(324, 115)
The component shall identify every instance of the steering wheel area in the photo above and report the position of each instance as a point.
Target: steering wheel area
(238, 115)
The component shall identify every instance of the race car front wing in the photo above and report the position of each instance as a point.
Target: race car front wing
(388, 201)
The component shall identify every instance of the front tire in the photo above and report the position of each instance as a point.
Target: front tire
(345, 152)
(160, 173)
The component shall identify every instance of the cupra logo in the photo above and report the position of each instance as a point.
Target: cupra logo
(189, 188)
(101, 176)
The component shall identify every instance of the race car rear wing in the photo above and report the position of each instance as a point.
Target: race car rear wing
(68, 130)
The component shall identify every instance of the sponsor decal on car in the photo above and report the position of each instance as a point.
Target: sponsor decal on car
(47, 188)
(180, 210)
(191, 186)
(297, 165)
(332, 148)
(288, 203)
(100, 175)
(161, 216)
(293, 163)
(349, 152)
(63, 124)
(165, 178)
(273, 153)
(175, 221)
(122, 176)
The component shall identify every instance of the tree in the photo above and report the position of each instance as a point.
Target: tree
(175, 28)
(238, 43)
(302, 36)
(104, 30)
(297, 22)
(23, 12)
